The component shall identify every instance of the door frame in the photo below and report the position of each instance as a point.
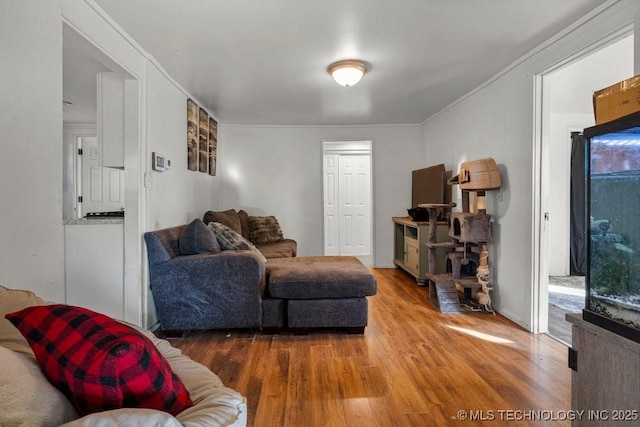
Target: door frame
(135, 150)
(351, 146)
(541, 189)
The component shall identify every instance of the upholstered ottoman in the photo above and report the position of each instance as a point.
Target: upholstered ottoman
(322, 292)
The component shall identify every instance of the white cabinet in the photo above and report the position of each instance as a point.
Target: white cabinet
(94, 267)
(111, 98)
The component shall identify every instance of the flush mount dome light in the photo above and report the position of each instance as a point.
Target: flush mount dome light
(348, 72)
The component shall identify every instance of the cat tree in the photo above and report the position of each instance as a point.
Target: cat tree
(470, 232)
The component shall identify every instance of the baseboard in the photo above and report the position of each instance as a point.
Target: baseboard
(153, 328)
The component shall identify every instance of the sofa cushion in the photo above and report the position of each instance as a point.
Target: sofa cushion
(285, 248)
(26, 397)
(319, 277)
(328, 313)
(13, 300)
(99, 363)
(264, 229)
(197, 238)
(230, 240)
(230, 218)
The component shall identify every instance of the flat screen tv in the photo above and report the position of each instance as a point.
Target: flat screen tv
(429, 185)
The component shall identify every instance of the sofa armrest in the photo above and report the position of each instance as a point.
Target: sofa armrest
(209, 291)
(126, 417)
(214, 404)
(162, 245)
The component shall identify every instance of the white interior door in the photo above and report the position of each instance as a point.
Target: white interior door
(331, 204)
(347, 198)
(355, 204)
(101, 188)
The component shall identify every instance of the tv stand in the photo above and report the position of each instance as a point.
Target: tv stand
(410, 250)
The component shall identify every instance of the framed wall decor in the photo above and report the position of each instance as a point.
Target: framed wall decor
(192, 135)
(203, 152)
(213, 146)
(202, 139)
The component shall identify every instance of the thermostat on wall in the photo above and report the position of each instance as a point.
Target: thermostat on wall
(160, 162)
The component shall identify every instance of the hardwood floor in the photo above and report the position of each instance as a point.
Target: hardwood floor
(414, 366)
(564, 298)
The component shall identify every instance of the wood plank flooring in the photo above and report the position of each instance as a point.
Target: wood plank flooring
(414, 366)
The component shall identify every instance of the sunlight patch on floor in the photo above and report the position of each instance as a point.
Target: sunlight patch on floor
(481, 335)
(566, 291)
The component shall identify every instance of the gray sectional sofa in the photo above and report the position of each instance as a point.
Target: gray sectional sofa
(195, 286)
(209, 290)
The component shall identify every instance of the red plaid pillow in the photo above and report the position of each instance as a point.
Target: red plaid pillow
(99, 363)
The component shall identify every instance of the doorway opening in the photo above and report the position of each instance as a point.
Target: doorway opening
(106, 120)
(347, 201)
(566, 108)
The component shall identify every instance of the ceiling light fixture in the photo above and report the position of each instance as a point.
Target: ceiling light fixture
(347, 72)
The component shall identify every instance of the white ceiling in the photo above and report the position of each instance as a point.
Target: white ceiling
(264, 62)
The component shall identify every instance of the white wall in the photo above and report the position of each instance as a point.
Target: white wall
(31, 139)
(31, 231)
(277, 171)
(172, 197)
(177, 195)
(497, 120)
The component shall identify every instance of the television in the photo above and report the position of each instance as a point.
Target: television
(429, 185)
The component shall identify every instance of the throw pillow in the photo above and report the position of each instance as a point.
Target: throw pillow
(197, 238)
(264, 229)
(230, 240)
(229, 218)
(98, 362)
(13, 300)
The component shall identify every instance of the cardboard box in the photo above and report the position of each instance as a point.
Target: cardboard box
(618, 100)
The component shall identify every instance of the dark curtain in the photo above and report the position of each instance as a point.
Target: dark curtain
(578, 207)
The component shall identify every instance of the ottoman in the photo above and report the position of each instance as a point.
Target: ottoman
(322, 291)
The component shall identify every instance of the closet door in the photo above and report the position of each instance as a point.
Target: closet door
(355, 204)
(347, 204)
(331, 204)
